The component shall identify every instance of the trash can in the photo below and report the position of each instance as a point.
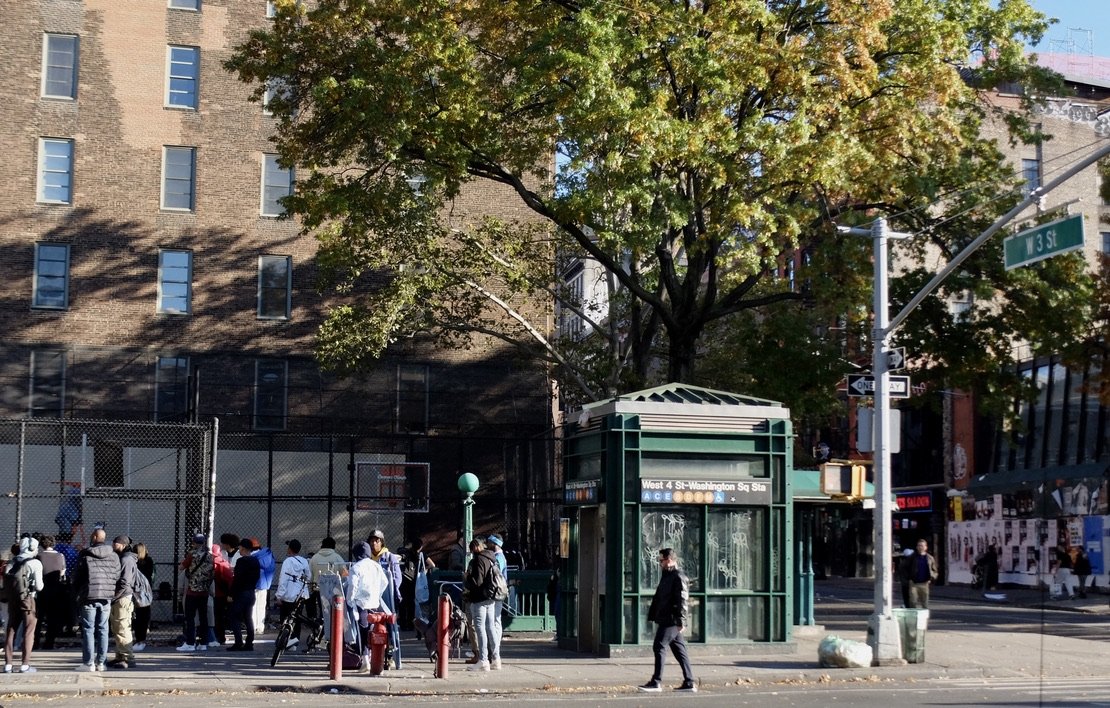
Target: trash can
(912, 624)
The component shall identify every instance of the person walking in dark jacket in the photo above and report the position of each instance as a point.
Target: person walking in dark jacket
(95, 579)
(244, 582)
(670, 609)
(123, 604)
(1082, 570)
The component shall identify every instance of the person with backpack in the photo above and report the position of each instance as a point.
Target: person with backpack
(144, 595)
(22, 583)
(123, 604)
(482, 586)
(495, 544)
(95, 579)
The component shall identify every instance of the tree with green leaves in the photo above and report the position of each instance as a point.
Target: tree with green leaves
(696, 151)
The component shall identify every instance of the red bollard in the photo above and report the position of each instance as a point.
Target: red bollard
(379, 640)
(336, 648)
(443, 626)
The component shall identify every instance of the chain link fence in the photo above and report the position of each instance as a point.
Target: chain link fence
(149, 481)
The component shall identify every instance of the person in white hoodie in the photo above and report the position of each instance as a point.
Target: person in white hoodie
(365, 586)
(292, 585)
(21, 603)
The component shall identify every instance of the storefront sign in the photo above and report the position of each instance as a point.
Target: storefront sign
(914, 502)
(581, 491)
(747, 492)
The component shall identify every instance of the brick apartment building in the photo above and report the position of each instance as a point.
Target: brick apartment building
(145, 274)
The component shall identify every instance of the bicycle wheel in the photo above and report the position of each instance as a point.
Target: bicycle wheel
(280, 641)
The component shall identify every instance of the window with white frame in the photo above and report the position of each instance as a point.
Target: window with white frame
(1031, 175)
(51, 286)
(185, 4)
(572, 325)
(277, 182)
(1105, 242)
(55, 183)
(275, 280)
(412, 398)
(178, 178)
(275, 88)
(270, 379)
(171, 388)
(271, 9)
(48, 384)
(175, 282)
(182, 76)
(59, 66)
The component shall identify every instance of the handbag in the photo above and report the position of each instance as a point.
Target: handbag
(421, 592)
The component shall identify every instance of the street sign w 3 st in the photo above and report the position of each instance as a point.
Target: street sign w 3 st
(864, 385)
(1043, 242)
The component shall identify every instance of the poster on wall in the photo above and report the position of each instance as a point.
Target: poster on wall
(1093, 538)
(1026, 547)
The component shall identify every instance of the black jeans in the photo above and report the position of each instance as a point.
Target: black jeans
(286, 609)
(242, 609)
(671, 636)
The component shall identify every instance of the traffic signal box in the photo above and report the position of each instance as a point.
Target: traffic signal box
(845, 478)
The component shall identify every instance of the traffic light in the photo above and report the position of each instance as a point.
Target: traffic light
(844, 478)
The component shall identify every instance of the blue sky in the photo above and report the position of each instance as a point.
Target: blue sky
(1091, 15)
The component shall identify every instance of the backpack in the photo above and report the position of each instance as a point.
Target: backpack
(17, 582)
(143, 593)
(495, 587)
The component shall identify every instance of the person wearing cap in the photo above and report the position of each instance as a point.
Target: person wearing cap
(200, 568)
(94, 580)
(391, 564)
(494, 543)
(243, 584)
(295, 576)
(123, 606)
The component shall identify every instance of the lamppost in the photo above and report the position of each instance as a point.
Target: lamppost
(468, 484)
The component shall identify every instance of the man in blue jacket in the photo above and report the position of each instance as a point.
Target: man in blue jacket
(95, 578)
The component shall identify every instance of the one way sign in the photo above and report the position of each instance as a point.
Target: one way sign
(864, 385)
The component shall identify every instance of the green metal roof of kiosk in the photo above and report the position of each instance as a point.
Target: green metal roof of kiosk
(684, 406)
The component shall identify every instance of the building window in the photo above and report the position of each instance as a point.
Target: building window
(183, 72)
(275, 280)
(55, 171)
(175, 278)
(51, 276)
(185, 4)
(269, 394)
(572, 325)
(277, 182)
(412, 398)
(1105, 243)
(59, 66)
(1031, 175)
(171, 388)
(178, 177)
(275, 89)
(48, 379)
(271, 9)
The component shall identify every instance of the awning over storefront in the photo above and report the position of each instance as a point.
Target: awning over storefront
(1014, 480)
(807, 488)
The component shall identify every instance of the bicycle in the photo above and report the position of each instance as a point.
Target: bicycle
(300, 616)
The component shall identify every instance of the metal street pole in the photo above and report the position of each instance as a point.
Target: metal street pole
(883, 633)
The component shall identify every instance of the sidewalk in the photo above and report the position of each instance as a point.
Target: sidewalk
(534, 664)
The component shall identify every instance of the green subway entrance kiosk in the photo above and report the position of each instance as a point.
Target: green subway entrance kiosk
(700, 471)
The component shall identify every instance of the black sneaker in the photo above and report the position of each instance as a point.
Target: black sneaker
(688, 687)
(651, 687)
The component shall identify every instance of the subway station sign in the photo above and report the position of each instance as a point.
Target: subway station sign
(747, 492)
(582, 491)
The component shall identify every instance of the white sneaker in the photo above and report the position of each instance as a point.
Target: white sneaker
(102, 667)
(25, 669)
(292, 643)
(482, 665)
(186, 647)
(87, 668)
(495, 665)
(202, 647)
(214, 644)
(140, 646)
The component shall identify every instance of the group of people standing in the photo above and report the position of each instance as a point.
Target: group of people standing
(97, 585)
